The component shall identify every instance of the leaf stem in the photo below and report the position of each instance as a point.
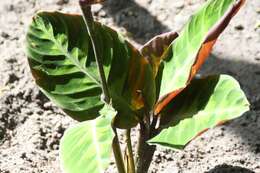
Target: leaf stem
(89, 21)
(144, 152)
(118, 154)
(129, 152)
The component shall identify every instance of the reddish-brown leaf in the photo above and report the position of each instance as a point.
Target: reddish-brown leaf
(156, 47)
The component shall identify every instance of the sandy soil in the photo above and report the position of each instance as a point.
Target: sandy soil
(30, 126)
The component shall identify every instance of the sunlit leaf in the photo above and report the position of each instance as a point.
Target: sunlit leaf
(204, 104)
(86, 147)
(62, 62)
(188, 52)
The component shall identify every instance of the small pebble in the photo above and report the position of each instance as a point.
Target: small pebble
(10, 7)
(239, 27)
(5, 35)
(242, 161)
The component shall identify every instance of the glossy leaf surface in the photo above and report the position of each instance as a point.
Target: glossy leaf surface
(62, 62)
(189, 51)
(204, 104)
(86, 147)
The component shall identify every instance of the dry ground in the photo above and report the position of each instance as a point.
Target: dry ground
(30, 127)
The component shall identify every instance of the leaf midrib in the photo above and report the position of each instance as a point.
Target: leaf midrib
(95, 143)
(66, 54)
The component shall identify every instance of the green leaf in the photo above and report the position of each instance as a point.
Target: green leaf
(62, 62)
(86, 147)
(188, 52)
(204, 104)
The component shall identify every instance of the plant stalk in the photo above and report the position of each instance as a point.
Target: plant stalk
(129, 152)
(89, 21)
(145, 152)
(90, 24)
(118, 154)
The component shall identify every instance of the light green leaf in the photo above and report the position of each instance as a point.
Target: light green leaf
(188, 52)
(62, 62)
(86, 147)
(204, 104)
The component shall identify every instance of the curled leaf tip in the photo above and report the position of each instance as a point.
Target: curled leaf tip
(89, 2)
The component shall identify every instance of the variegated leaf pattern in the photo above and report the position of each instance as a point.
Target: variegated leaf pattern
(188, 52)
(62, 62)
(204, 104)
(86, 147)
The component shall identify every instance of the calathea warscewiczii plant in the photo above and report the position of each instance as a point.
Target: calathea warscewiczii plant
(98, 78)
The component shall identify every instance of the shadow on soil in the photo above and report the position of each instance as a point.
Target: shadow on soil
(229, 169)
(137, 20)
